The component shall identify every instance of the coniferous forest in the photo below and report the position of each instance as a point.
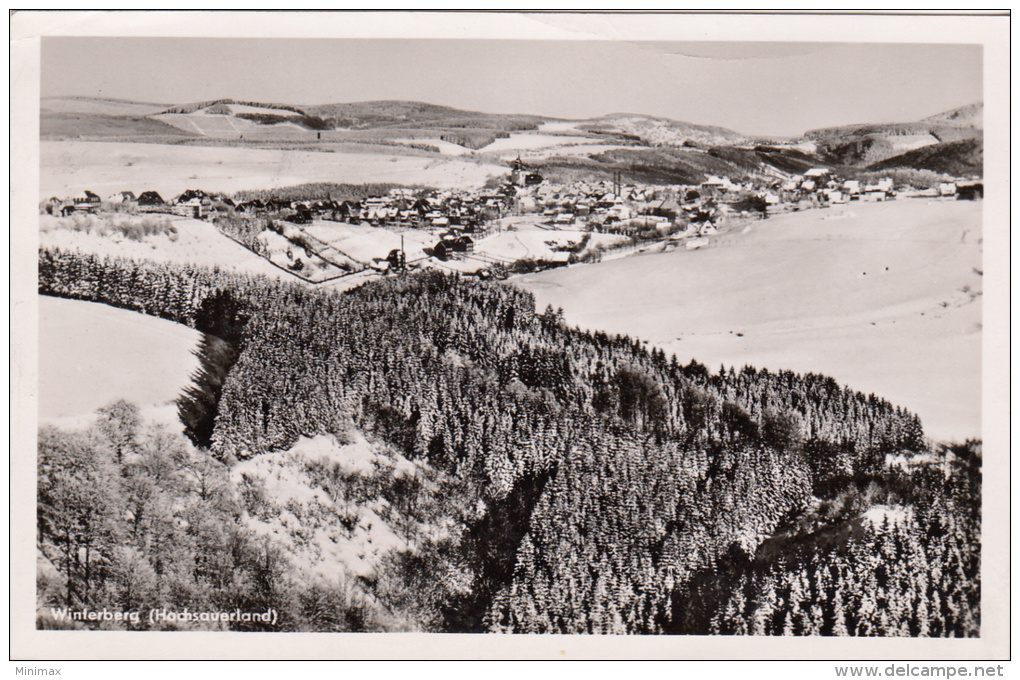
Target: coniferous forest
(568, 481)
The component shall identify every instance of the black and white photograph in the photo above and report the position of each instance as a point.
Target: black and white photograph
(550, 328)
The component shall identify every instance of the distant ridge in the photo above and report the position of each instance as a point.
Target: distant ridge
(960, 120)
(970, 115)
(102, 99)
(642, 147)
(197, 106)
(656, 130)
(882, 146)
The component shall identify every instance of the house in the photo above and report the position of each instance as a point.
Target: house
(835, 196)
(88, 202)
(193, 208)
(621, 211)
(667, 208)
(450, 245)
(253, 207)
(191, 194)
(970, 192)
(717, 186)
(150, 199)
(558, 259)
(397, 259)
(947, 189)
(301, 215)
(884, 185)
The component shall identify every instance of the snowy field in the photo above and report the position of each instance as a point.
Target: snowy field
(559, 126)
(534, 140)
(445, 148)
(884, 297)
(550, 139)
(262, 110)
(195, 242)
(229, 127)
(69, 168)
(584, 150)
(904, 143)
(91, 355)
(536, 243)
(363, 243)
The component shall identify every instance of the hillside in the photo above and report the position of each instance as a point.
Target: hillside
(884, 297)
(871, 144)
(972, 116)
(961, 158)
(641, 148)
(73, 125)
(377, 114)
(99, 106)
(95, 354)
(655, 131)
(180, 241)
(569, 482)
(172, 168)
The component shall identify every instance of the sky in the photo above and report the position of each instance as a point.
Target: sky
(766, 89)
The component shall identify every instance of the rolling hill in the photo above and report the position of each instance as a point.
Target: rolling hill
(641, 148)
(972, 115)
(450, 461)
(75, 125)
(960, 158)
(97, 354)
(389, 113)
(872, 294)
(654, 131)
(894, 145)
(99, 106)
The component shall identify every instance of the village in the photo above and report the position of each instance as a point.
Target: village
(518, 224)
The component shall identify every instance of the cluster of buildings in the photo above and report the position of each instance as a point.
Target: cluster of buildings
(192, 203)
(401, 207)
(819, 186)
(607, 205)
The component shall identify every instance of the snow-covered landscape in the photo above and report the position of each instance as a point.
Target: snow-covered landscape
(885, 297)
(69, 167)
(91, 355)
(330, 344)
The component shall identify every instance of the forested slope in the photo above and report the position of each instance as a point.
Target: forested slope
(604, 487)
